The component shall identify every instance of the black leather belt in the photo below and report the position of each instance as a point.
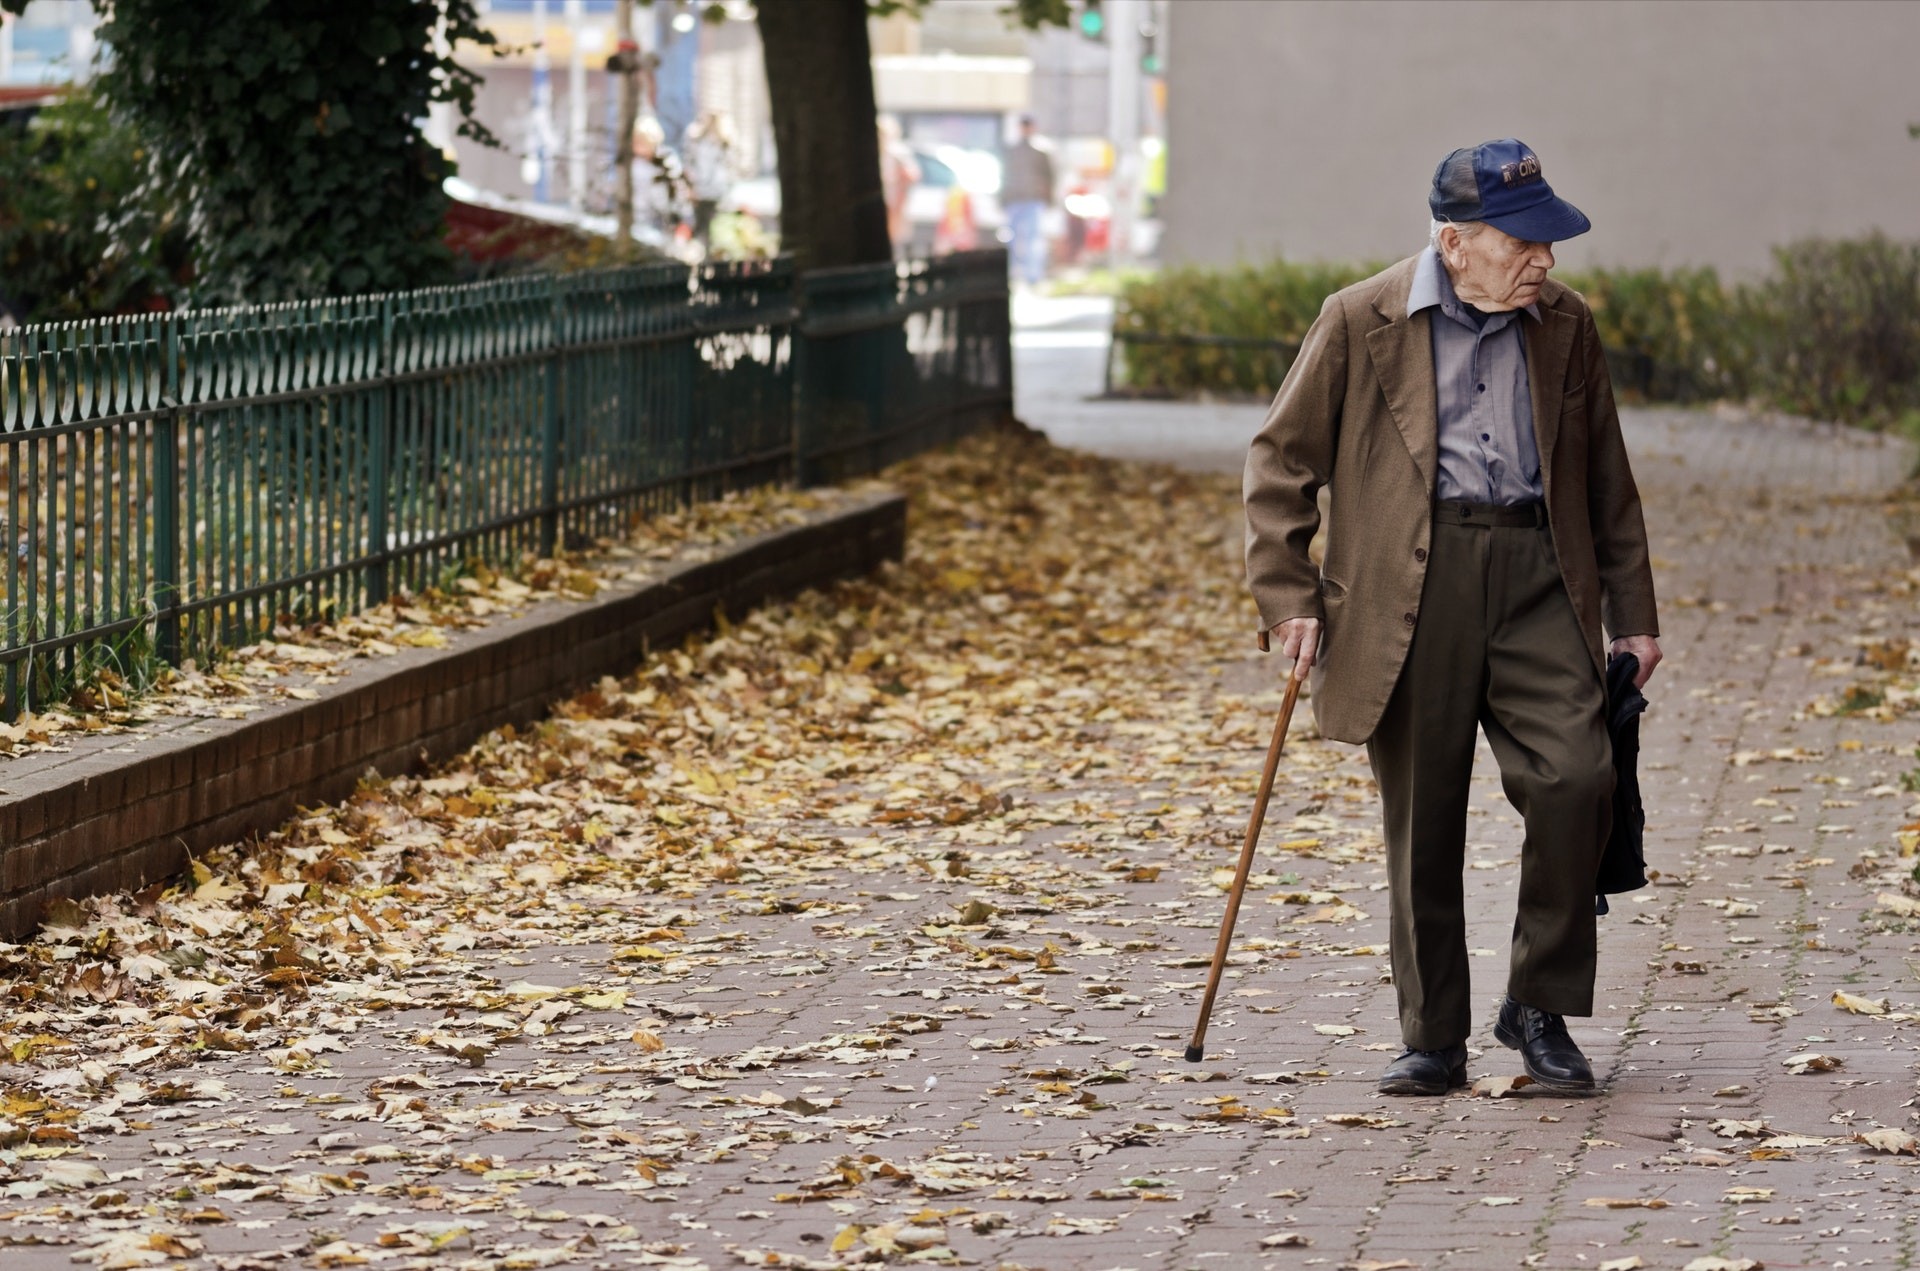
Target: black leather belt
(1498, 515)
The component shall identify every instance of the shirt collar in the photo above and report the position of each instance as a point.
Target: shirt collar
(1433, 286)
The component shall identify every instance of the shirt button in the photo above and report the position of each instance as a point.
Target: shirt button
(1419, 553)
(1486, 436)
(1407, 618)
(1481, 387)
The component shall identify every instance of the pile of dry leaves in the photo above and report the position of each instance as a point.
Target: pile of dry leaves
(298, 659)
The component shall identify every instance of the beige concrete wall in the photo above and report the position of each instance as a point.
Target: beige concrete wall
(1696, 132)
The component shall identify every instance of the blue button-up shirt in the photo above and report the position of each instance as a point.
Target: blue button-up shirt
(1487, 449)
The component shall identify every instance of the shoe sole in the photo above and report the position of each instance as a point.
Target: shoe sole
(1455, 1079)
(1511, 1041)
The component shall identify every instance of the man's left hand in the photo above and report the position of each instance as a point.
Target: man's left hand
(1644, 647)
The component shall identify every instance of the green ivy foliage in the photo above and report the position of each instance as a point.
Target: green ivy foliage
(289, 131)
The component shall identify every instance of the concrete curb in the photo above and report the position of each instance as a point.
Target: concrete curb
(118, 813)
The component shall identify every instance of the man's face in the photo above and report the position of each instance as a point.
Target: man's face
(1494, 271)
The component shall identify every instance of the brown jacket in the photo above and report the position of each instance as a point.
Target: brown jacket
(1358, 414)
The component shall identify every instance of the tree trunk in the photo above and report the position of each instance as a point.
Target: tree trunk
(820, 85)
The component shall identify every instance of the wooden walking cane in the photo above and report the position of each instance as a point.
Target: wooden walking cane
(1197, 1050)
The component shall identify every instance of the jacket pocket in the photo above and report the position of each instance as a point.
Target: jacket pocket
(1333, 605)
(1575, 399)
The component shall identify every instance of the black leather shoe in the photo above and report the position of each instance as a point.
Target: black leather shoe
(1426, 1071)
(1549, 1054)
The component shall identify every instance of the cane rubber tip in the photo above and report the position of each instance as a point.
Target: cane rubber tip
(1195, 1054)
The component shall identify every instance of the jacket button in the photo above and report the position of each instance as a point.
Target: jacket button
(1408, 618)
(1419, 553)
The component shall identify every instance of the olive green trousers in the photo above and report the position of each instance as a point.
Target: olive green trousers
(1496, 647)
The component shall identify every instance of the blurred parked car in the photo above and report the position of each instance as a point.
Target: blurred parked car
(956, 202)
(1087, 216)
(957, 188)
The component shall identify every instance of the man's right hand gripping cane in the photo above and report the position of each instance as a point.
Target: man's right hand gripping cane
(1299, 639)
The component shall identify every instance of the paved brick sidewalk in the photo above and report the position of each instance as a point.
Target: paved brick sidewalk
(853, 1066)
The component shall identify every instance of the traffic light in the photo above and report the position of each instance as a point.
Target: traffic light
(1092, 23)
(1150, 61)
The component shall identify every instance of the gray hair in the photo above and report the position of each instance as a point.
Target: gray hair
(1466, 229)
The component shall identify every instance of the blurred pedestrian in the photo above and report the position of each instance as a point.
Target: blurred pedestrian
(1484, 535)
(659, 184)
(708, 154)
(898, 173)
(1026, 191)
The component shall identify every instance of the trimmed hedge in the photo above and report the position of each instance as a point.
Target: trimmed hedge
(1833, 331)
(1837, 331)
(1277, 301)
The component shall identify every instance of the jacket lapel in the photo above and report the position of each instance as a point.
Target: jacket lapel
(1549, 346)
(1402, 353)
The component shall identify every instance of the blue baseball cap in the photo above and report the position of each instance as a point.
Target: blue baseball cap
(1499, 183)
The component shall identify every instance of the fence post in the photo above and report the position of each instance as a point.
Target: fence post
(799, 387)
(882, 350)
(550, 427)
(956, 322)
(166, 534)
(164, 455)
(690, 389)
(379, 446)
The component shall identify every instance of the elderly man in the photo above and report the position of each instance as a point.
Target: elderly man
(1483, 527)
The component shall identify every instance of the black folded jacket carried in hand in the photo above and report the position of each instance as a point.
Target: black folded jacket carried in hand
(1623, 864)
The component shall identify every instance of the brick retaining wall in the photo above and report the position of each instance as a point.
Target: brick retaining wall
(118, 812)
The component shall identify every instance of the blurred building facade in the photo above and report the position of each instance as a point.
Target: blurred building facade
(1700, 134)
(956, 75)
(52, 42)
(556, 123)
(961, 73)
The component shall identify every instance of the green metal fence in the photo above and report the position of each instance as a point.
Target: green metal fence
(174, 485)
(894, 360)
